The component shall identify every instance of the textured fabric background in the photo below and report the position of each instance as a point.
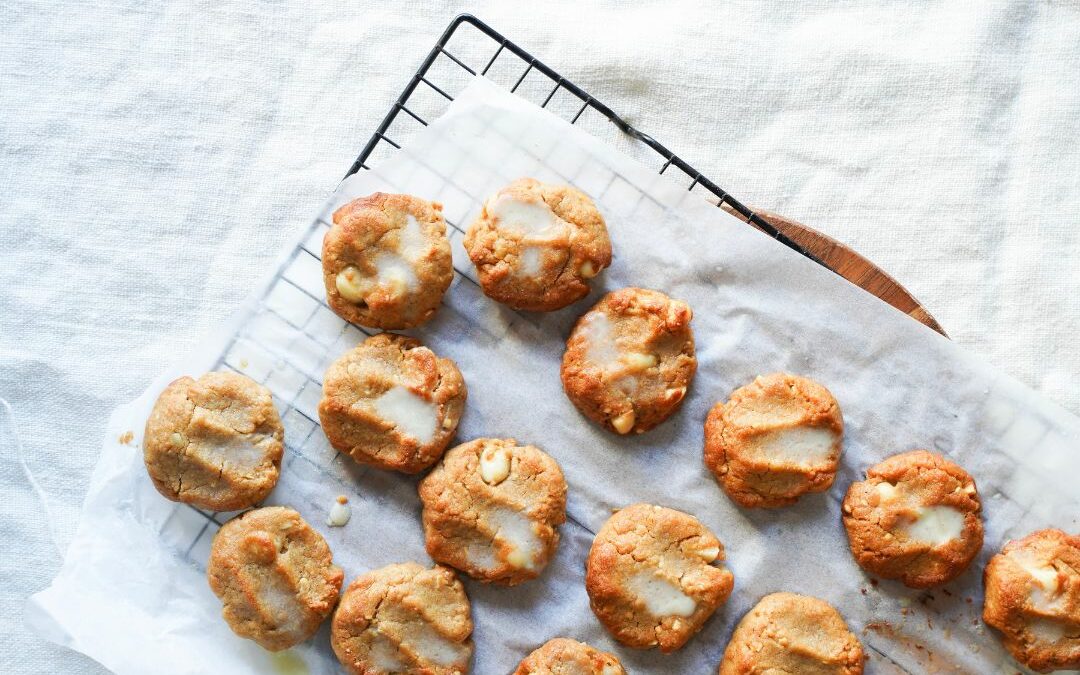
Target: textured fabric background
(154, 156)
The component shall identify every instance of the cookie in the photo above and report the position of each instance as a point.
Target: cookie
(1033, 598)
(915, 518)
(774, 440)
(789, 633)
(386, 261)
(215, 442)
(492, 509)
(535, 246)
(563, 656)
(651, 578)
(391, 402)
(274, 575)
(629, 360)
(404, 618)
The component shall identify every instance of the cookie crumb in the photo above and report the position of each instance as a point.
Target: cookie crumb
(126, 437)
(339, 514)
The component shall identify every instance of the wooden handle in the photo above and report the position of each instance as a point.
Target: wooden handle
(852, 266)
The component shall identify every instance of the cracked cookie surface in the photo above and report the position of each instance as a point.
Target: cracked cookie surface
(492, 509)
(214, 442)
(386, 261)
(535, 246)
(274, 575)
(774, 440)
(630, 359)
(404, 618)
(789, 633)
(1033, 598)
(915, 518)
(651, 579)
(393, 403)
(563, 656)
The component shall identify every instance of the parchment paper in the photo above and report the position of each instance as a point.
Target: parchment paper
(132, 592)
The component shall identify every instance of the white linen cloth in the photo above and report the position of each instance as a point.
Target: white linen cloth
(155, 158)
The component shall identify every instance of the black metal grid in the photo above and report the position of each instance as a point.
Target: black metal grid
(521, 66)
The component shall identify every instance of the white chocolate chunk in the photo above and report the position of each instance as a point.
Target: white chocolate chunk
(494, 465)
(936, 525)
(799, 446)
(610, 669)
(1045, 579)
(600, 347)
(339, 515)
(533, 220)
(887, 492)
(239, 453)
(518, 559)
(1047, 630)
(394, 273)
(639, 361)
(351, 284)
(280, 605)
(423, 640)
(661, 597)
(412, 244)
(411, 414)
(530, 262)
(516, 530)
(481, 555)
(384, 656)
(624, 422)
(588, 270)
(709, 554)
(675, 394)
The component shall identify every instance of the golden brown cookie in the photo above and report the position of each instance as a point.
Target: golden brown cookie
(563, 656)
(651, 578)
(404, 618)
(630, 359)
(1033, 598)
(386, 261)
(392, 403)
(775, 440)
(915, 518)
(535, 246)
(215, 442)
(275, 577)
(789, 633)
(492, 509)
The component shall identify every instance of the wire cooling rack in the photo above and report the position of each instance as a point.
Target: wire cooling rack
(470, 47)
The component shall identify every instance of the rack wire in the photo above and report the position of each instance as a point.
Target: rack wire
(514, 67)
